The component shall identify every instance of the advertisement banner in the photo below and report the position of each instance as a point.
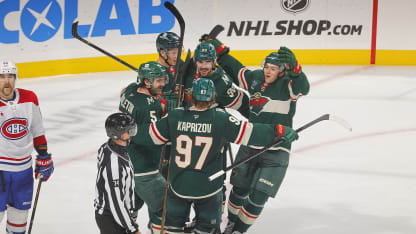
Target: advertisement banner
(36, 31)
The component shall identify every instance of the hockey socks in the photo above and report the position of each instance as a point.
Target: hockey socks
(236, 200)
(250, 211)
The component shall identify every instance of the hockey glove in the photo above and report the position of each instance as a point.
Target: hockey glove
(44, 166)
(220, 48)
(204, 38)
(287, 133)
(288, 57)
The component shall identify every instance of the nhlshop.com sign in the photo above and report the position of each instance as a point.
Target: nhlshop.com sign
(291, 27)
(40, 20)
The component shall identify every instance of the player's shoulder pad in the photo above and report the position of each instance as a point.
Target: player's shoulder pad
(218, 109)
(221, 113)
(27, 96)
(258, 74)
(218, 72)
(177, 111)
(175, 114)
(224, 116)
(130, 88)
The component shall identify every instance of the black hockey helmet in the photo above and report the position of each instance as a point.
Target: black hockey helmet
(166, 41)
(118, 123)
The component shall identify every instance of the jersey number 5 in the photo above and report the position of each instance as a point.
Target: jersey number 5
(184, 145)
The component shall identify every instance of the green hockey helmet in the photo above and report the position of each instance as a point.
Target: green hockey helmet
(166, 41)
(274, 58)
(150, 71)
(203, 90)
(205, 52)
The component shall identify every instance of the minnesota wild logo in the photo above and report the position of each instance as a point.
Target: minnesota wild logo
(257, 101)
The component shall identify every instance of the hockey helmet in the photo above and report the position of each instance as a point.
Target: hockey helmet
(203, 90)
(166, 41)
(150, 71)
(7, 67)
(118, 123)
(205, 52)
(274, 58)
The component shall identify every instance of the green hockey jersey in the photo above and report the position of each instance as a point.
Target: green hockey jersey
(273, 103)
(228, 96)
(171, 72)
(144, 109)
(197, 140)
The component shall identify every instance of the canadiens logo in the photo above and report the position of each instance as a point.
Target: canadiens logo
(257, 101)
(14, 129)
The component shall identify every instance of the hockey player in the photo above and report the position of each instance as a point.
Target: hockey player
(141, 100)
(114, 201)
(197, 136)
(167, 45)
(228, 96)
(21, 130)
(274, 91)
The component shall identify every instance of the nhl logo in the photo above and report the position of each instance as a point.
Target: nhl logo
(294, 6)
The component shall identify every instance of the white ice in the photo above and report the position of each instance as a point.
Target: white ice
(338, 182)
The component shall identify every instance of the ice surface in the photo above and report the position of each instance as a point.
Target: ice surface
(340, 182)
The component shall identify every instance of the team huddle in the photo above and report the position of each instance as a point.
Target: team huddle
(168, 137)
(178, 145)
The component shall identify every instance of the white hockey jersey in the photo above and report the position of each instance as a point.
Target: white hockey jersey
(21, 129)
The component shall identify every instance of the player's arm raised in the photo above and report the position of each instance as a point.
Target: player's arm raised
(237, 71)
(299, 84)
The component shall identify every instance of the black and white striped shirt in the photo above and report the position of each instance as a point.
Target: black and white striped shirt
(114, 191)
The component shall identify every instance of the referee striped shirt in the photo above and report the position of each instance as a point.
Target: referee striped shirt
(114, 191)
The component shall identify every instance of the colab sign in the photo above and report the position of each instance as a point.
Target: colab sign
(40, 20)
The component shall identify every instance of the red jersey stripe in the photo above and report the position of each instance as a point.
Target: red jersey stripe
(235, 101)
(16, 159)
(242, 78)
(16, 225)
(242, 133)
(162, 139)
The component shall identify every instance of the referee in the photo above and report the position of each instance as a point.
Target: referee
(114, 201)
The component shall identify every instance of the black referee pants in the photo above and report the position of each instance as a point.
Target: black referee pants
(108, 225)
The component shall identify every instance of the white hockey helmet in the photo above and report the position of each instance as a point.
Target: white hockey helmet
(8, 67)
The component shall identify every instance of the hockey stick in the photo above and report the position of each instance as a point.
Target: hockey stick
(32, 216)
(77, 36)
(181, 84)
(215, 31)
(181, 22)
(280, 141)
(230, 153)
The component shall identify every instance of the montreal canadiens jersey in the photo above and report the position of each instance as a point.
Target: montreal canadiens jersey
(21, 128)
